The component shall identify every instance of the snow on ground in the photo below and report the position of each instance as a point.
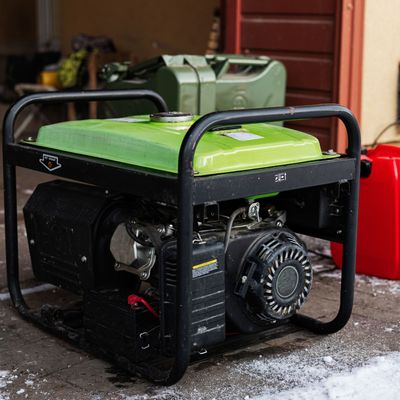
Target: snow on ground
(6, 378)
(381, 286)
(163, 394)
(379, 378)
(11, 387)
(326, 370)
(325, 378)
(3, 378)
(378, 285)
(36, 289)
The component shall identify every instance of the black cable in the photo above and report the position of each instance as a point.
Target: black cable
(319, 254)
(236, 213)
(375, 142)
(388, 142)
(324, 271)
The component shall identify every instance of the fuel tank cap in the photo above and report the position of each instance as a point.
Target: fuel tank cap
(171, 116)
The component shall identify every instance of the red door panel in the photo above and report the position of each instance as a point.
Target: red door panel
(300, 7)
(294, 34)
(304, 35)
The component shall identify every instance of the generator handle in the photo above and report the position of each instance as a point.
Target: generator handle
(9, 172)
(84, 95)
(185, 215)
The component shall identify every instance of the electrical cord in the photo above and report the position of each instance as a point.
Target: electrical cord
(236, 213)
(375, 142)
(319, 254)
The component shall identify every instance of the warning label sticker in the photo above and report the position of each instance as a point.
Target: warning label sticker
(243, 136)
(204, 268)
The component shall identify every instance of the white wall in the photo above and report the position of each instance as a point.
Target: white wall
(380, 69)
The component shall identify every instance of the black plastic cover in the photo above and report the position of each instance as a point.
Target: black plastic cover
(208, 295)
(112, 324)
(60, 217)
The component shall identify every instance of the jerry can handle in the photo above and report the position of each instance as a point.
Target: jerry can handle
(260, 62)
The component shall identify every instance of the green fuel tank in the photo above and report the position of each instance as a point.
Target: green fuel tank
(154, 142)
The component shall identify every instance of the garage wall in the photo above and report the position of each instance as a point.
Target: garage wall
(380, 69)
(17, 26)
(146, 28)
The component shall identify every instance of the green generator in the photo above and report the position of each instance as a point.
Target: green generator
(176, 236)
(199, 84)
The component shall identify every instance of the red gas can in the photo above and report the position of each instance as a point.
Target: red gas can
(378, 242)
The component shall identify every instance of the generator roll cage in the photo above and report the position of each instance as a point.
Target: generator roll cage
(185, 190)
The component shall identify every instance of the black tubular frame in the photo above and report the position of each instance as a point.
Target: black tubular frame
(188, 189)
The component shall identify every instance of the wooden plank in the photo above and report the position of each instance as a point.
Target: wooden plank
(317, 124)
(323, 135)
(294, 98)
(289, 34)
(231, 35)
(301, 97)
(301, 7)
(305, 36)
(308, 73)
(304, 71)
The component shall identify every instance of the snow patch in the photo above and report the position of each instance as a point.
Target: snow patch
(291, 370)
(378, 285)
(379, 378)
(159, 394)
(5, 379)
(36, 289)
(27, 191)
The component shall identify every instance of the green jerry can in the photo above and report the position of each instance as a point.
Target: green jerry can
(200, 84)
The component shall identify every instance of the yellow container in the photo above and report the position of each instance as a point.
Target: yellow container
(49, 78)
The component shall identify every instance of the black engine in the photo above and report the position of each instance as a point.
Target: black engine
(250, 271)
